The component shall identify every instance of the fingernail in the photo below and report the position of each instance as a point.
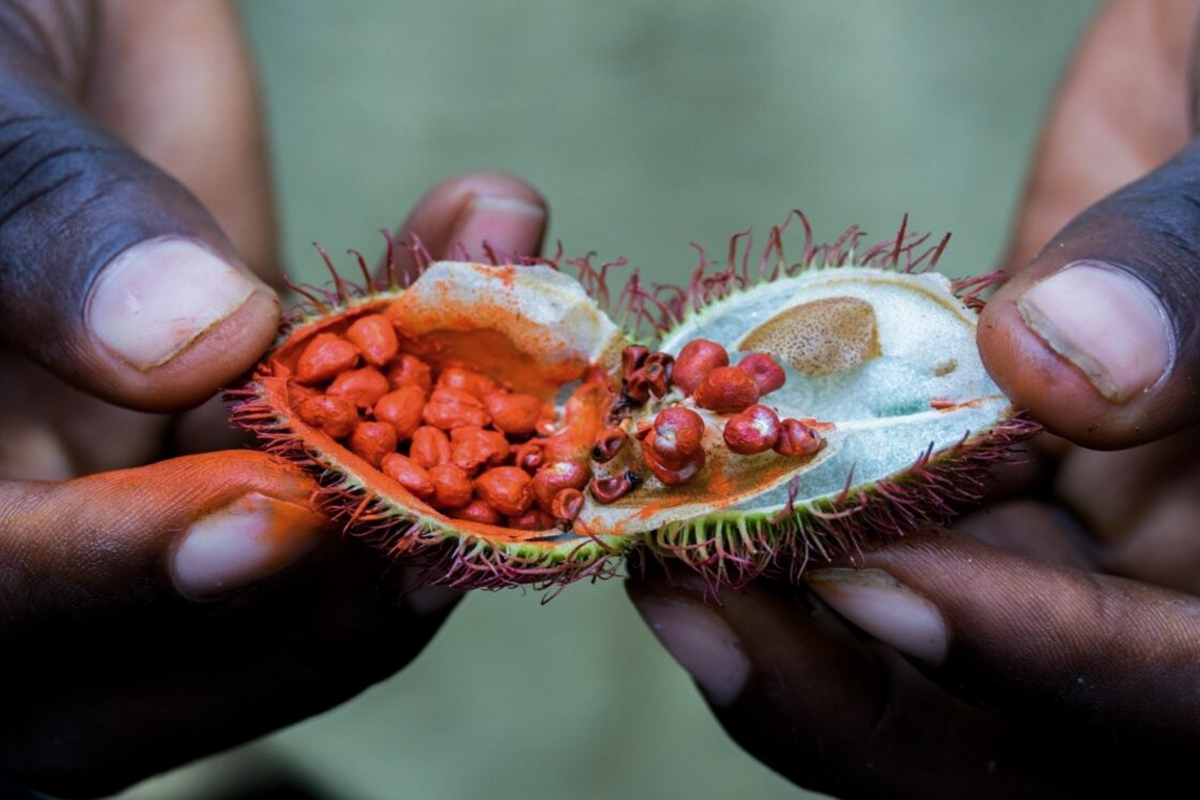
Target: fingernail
(159, 296)
(1104, 321)
(702, 644)
(242, 543)
(504, 223)
(885, 608)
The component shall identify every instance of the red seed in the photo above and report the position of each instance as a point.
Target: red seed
(479, 512)
(374, 338)
(765, 370)
(567, 504)
(797, 439)
(472, 448)
(454, 408)
(611, 489)
(515, 414)
(532, 520)
(371, 441)
(335, 416)
(755, 430)
(530, 455)
(726, 390)
(553, 478)
(408, 370)
(430, 447)
(698, 358)
(402, 410)
(363, 387)
(408, 474)
(506, 489)
(451, 486)
(632, 358)
(326, 356)
(608, 444)
(468, 381)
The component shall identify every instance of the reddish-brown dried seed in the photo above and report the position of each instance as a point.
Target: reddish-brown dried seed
(632, 358)
(765, 370)
(408, 474)
(726, 390)
(698, 358)
(430, 447)
(402, 410)
(479, 512)
(608, 444)
(408, 370)
(363, 387)
(371, 441)
(450, 408)
(755, 430)
(468, 381)
(374, 338)
(506, 489)
(553, 478)
(325, 357)
(653, 377)
(333, 415)
(567, 504)
(451, 486)
(515, 414)
(472, 448)
(612, 488)
(797, 439)
(532, 520)
(530, 455)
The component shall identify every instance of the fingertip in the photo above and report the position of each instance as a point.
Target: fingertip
(172, 321)
(1085, 348)
(466, 212)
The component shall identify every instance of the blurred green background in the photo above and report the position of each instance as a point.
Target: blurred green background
(648, 124)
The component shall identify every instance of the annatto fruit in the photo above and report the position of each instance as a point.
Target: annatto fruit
(493, 422)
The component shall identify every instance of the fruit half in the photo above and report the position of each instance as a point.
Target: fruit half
(495, 422)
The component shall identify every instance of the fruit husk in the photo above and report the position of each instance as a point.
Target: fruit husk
(543, 330)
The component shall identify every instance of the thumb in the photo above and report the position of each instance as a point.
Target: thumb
(1098, 336)
(1038, 643)
(196, 527)
(112, 275)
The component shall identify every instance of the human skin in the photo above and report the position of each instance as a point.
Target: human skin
(162, 598)
(1048, 646)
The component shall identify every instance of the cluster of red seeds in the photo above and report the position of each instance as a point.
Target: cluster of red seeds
(475, 450)
(453, 437)
(672, 446)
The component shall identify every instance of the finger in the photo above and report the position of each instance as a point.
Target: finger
(114, 276)
(292, 646)
(176, 81)
(812, 699)
(110, 544)
(1046, 646)
(462, 214)
(1120, 111)
(1098, 336)
(1089, 336)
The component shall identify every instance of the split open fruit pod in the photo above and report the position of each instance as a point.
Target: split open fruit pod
(493, 420)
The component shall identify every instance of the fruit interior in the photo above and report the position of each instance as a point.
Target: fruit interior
(880, 367)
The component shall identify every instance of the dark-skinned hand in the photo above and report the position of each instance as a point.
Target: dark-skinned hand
(156, 607)
(1048, 646)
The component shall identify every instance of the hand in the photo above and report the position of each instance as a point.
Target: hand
(153, 614)
(1050, 645)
